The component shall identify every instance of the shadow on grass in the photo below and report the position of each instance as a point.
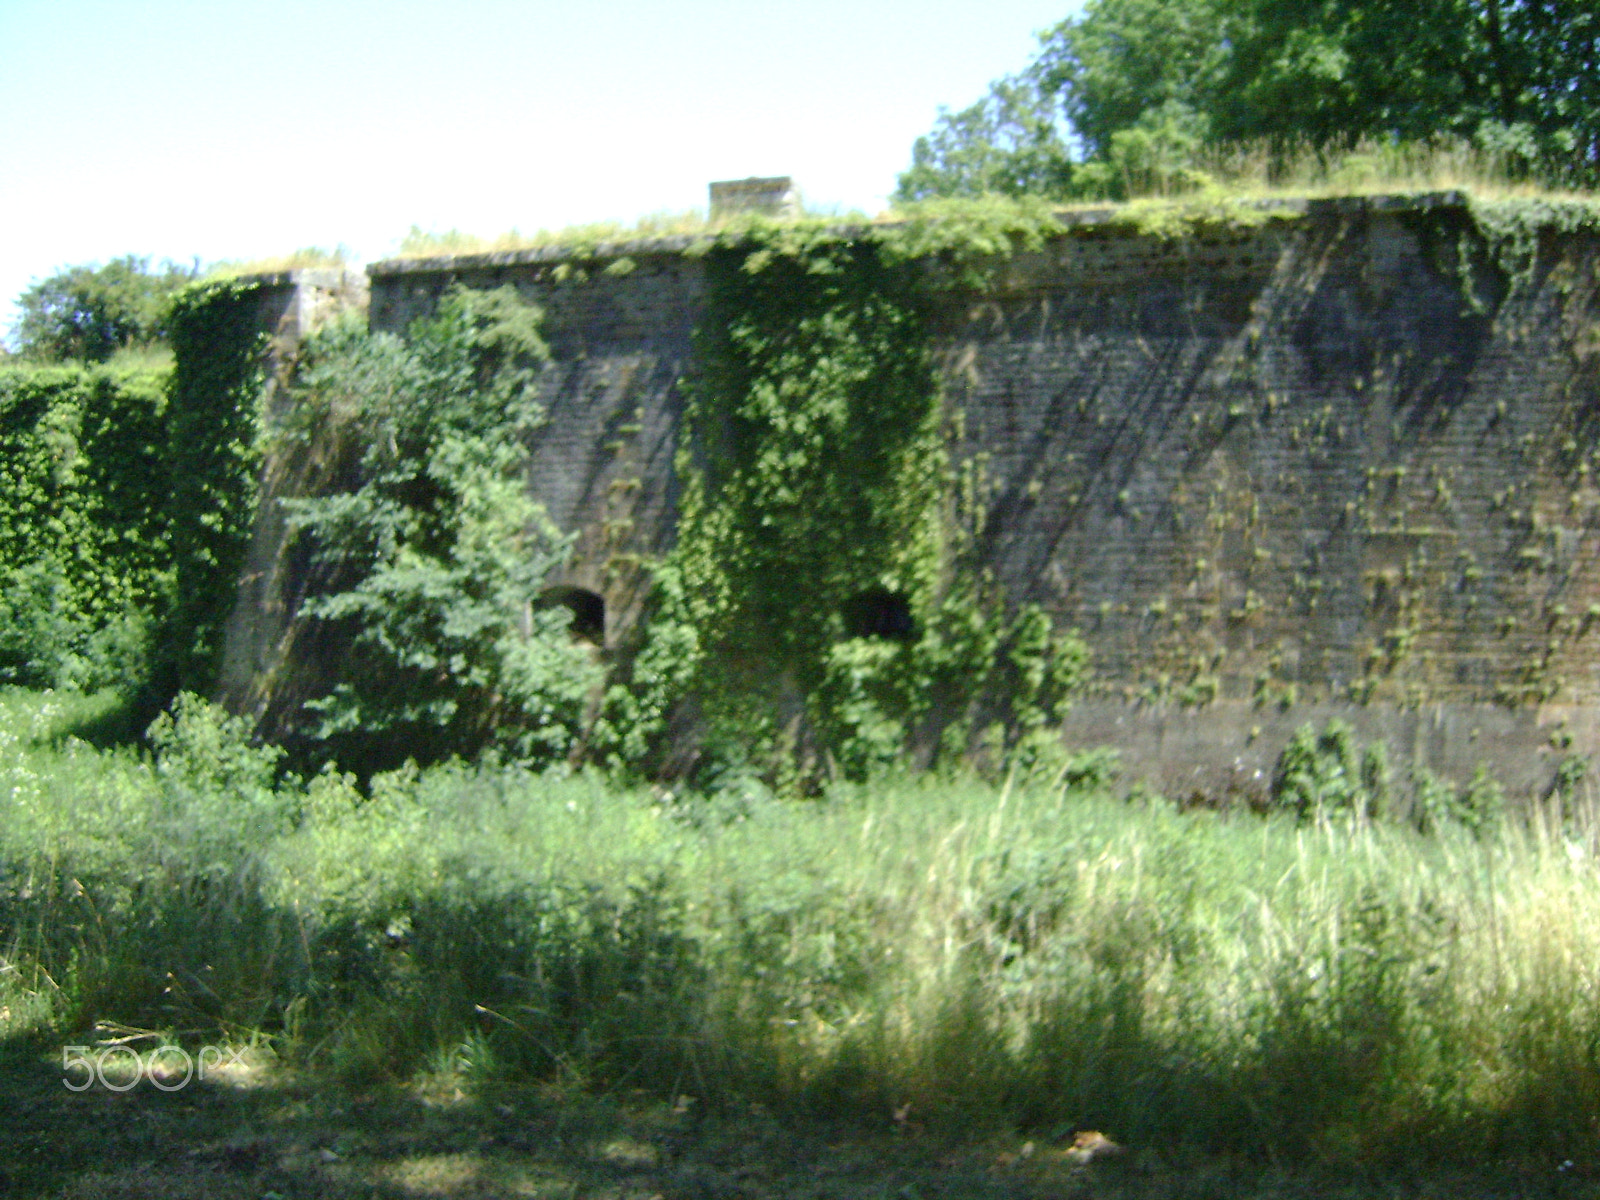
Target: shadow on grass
(277, 1133)
(565, 984)
(105, 720)
(293, 1135)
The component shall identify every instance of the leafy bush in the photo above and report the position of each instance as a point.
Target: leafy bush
(432, 561)
(1439, 803)
(1327, 773)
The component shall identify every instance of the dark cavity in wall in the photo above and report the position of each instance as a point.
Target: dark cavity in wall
(879, 613)
(588, 611)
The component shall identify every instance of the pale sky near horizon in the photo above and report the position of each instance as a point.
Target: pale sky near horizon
(238, 129)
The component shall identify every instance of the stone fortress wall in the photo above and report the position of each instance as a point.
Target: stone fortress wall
(1338, 462)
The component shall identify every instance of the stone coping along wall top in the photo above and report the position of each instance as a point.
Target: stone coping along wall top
(1104, 217)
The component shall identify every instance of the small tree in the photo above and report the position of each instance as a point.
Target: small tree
(1010, 143)
(436, 555)
(90, 312)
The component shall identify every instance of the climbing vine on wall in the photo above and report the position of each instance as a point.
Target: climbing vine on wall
(83, 546)
(213, 459)
(818, 615)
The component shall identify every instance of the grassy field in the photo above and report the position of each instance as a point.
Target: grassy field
(926, 984)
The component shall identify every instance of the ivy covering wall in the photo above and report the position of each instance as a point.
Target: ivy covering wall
(213, 459)
(126, 497)
(821, 614)
(84, 550)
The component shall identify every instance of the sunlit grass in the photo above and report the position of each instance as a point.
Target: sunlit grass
(990, 956)
(305, 258)
(1224, 173)
(420, 243)
(1370, 167)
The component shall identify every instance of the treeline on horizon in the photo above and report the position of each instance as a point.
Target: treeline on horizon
(1139, 96)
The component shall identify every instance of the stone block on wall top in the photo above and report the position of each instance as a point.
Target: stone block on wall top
(776, 196)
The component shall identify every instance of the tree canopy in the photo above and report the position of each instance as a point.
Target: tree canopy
(1125, 97)
(90, 312)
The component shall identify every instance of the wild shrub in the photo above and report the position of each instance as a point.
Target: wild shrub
(1439, 803)
(1326, 773)
(431, 560)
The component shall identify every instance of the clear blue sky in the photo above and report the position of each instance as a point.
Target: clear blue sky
(240, 129)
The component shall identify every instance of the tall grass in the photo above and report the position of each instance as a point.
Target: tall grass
(305, 258)
(1368, 166)
(420, 243)
(1231, 171)
(991, 956)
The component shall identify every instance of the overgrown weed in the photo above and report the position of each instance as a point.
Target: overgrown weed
(1223, 174)
(305, 258)
(1370, 167)
(993, 956)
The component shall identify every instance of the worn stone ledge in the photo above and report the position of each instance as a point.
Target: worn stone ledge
(1071, 219)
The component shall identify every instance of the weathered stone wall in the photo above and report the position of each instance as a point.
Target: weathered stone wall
(1339, 461)
(288, 306)
(1341, 458)
(1315, 456)
(620, 328)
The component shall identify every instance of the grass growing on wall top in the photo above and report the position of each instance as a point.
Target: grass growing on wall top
(306, 257)
(421, 243)
(1370, 167)
(1222, 174)
(996, 957)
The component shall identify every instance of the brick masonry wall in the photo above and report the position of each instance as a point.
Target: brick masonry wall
(1341, 462)
(1306, 458)
(620, 329)
(1342, 458)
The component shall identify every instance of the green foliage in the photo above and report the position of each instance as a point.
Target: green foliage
(816, 482)
(1124, 60)
(1321, 775)
(200, 747)
(84, 560)
(212, 456)
(1009, 143)
(432, 560)
(217, 793)
(1512, 227)
(973, 236)
(1440, 804)
(1000, 958)
(816, 446)
(1149, 88)
(1324, 774)
(579, 240)
(90, 312)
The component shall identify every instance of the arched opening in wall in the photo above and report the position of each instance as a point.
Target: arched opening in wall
(588, 611)
(879, 613)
